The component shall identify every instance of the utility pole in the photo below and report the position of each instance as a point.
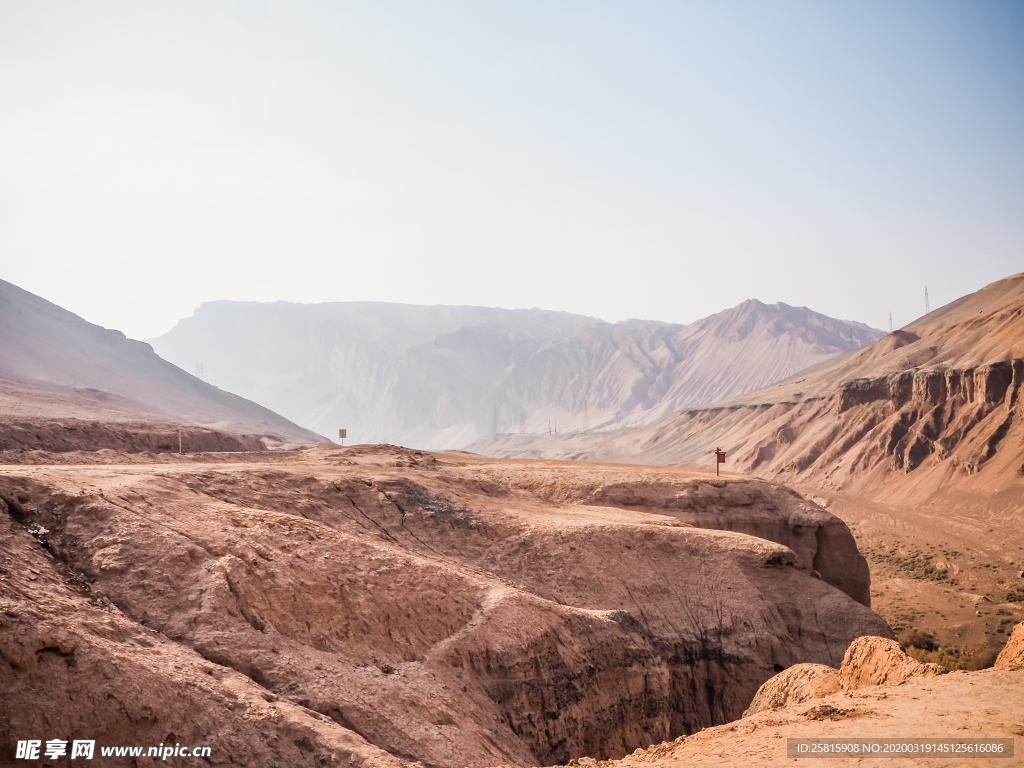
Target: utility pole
(890, 322)
(927, 308)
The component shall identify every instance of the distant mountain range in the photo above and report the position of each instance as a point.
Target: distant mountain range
(445, 376)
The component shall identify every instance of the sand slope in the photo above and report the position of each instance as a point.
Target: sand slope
(57, 366)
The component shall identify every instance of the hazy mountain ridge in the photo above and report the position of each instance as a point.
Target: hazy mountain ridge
(414, 375)
(440, 376)
(637, 370)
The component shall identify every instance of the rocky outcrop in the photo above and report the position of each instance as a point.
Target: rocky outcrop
(799, 683)
(435, 608)
(880, 661)
(72, 665)
(822, 541)
(985, 704)
(869, 661)
(1012, 655)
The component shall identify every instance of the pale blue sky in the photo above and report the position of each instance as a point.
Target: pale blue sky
(631, 159)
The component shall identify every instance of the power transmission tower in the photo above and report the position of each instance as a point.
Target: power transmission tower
(522, 422)
(927, 308)
(890, 322)
(586, 418)
(199, 371)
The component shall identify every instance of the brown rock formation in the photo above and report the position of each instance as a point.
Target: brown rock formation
(1012, 656)
(869, 661)
(74, 666)
(438, 607)
(821, 540)
(986, 704)
(801, 682)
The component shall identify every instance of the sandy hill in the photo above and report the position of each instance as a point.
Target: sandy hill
(442, 377)
(372, 605)
(66, 383)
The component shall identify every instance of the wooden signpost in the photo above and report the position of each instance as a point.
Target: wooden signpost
(719, 459)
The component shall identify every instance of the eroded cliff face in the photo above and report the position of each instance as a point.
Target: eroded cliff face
(933, 412)
(911, 433)
(822, 542)
(369, 603)
(871, 428)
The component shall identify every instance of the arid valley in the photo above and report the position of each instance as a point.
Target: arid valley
(511, 384)
(193, 569)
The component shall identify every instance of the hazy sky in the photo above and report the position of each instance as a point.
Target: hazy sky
(629, 159)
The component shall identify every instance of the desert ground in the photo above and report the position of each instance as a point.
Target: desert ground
(445, 608)
(380, 606)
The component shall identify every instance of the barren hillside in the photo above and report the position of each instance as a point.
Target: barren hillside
(66, 383)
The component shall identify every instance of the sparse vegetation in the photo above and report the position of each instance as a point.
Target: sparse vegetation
(924, 646)
(1006, 625)
(915, 564)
